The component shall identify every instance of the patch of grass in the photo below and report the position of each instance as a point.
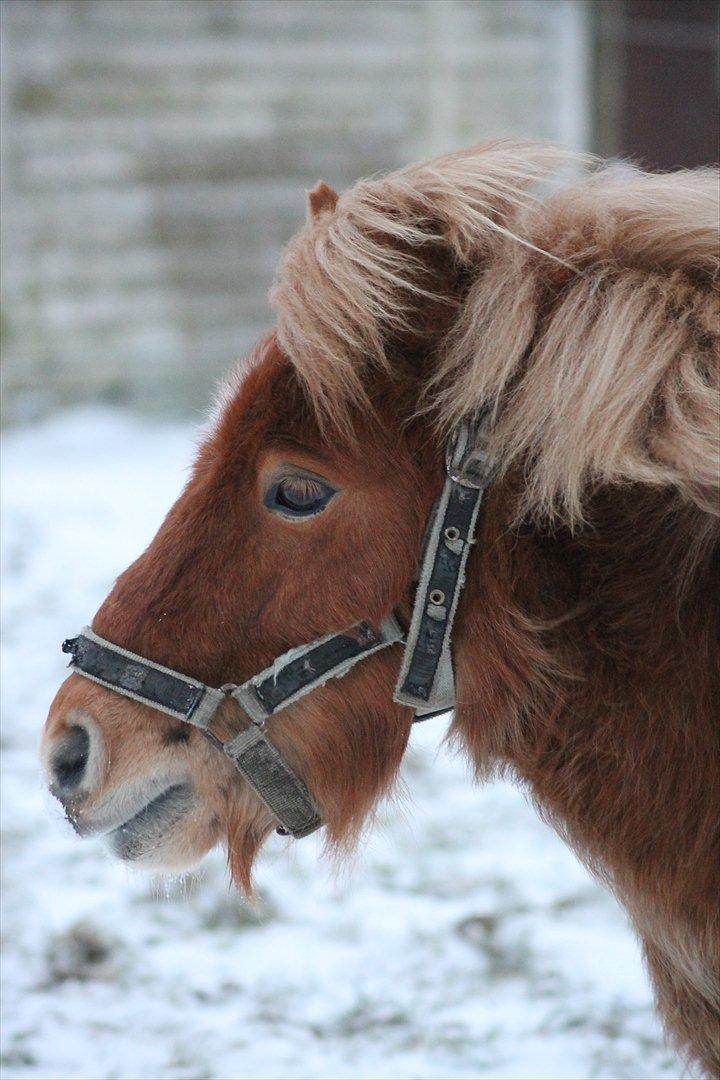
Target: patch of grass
(34, 97)
(502, 961)
(83, 952)
(228, 912)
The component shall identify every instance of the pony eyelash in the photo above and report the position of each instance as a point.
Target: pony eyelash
(298, 495)
(302, 486)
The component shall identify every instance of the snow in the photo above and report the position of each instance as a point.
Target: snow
(464, 941)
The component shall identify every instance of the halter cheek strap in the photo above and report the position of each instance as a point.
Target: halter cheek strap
(426, 682)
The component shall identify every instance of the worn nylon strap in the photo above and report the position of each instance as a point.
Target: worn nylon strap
(142, 680)
(290, 677)
(427, 681)
(303, 669)
(282, 790)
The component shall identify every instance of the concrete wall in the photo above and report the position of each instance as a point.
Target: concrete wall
(156, 152)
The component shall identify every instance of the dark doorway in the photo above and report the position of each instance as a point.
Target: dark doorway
(657, 89)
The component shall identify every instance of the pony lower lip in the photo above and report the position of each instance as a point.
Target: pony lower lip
(147, 829)
(106, 819)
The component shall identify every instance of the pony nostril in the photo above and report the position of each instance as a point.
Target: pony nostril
(70, 758)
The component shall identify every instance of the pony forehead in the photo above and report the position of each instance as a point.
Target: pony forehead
(262, 403)
(230, 386)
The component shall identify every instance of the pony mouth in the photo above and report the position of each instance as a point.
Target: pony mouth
(144, 834)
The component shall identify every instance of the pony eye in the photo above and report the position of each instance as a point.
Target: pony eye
(299, 496)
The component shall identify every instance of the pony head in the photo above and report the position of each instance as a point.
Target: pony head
(582, 317)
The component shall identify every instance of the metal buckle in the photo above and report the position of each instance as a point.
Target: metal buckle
(250, 703)
(467, 459)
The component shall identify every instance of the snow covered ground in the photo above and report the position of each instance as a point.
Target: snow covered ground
(463, 942)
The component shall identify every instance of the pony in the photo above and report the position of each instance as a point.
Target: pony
(574, 300)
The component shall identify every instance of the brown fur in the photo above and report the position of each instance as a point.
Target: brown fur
(586, 642)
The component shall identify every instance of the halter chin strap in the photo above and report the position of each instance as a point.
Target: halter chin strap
(426, 682)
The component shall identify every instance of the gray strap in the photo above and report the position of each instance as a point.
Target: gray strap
(427, 681)
(309, 666)
(282, 791)
(289, 678)
(143, 680)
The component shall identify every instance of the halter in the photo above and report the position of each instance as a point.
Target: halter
(426, 681)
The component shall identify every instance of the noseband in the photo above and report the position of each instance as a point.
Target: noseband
(426, 682)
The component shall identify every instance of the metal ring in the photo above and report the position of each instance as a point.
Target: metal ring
(437, 596)
(452, 534)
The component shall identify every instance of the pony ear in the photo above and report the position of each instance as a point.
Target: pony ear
(321, 200)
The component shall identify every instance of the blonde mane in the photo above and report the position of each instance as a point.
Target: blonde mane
(589, 324)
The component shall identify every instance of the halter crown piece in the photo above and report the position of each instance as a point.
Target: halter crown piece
(426, 682)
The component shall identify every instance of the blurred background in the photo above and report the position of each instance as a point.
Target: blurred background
(154, 159)
(155, 152)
